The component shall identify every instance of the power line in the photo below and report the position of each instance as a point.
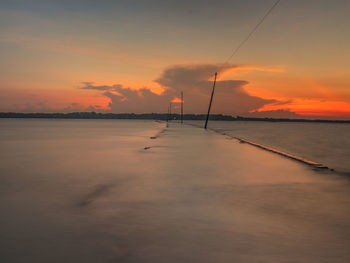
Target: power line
(236, 50)
(252, 31)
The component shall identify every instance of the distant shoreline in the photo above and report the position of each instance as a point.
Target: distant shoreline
(153, 116)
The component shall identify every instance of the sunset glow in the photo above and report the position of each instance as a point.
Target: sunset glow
(208, 131)
(47, 53)
(176, 100)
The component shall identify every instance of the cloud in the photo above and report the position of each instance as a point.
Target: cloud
(73, 107)
(136, 101)
(90, 86)
(282, 102)
(18, 100)
(37, 106)
(185, 76)
(196, 83)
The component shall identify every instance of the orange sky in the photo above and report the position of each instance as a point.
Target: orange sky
(297, 61)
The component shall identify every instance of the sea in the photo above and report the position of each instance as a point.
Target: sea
(136, 191)
(325, 143)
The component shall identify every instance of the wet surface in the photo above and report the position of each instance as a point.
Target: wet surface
(325, 143)
(90, 192)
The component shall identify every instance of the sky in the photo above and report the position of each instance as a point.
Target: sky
(137, 56)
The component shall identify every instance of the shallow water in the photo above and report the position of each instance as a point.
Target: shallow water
(89, 191)
(326, 143)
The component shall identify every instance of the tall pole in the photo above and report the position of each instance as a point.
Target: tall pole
(211, 100)
(170, 111)
(167, 119)
(182, 107)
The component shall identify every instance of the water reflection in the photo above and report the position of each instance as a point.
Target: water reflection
(87, 191)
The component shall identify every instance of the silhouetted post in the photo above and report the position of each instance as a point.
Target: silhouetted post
(182, 107)
(170, 111)
(167, 118)
(211, 100)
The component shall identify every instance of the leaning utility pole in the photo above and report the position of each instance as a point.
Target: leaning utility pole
(182, 107)
(211, 100)
(167, 119)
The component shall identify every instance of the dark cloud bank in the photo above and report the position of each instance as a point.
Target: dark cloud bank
(193, 80)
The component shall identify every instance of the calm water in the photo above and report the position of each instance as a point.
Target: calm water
(89, 191)
(325, 143)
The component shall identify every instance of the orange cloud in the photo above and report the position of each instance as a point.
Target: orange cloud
(304, 95)
(38, 100)
(176, 100)
(313, 107)
(243, 69)
(231, 97)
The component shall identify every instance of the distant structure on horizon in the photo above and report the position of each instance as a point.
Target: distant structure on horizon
(153, 116)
